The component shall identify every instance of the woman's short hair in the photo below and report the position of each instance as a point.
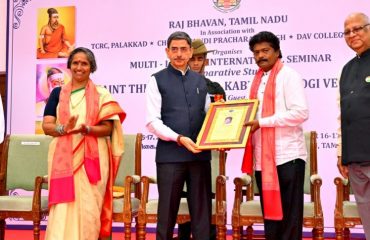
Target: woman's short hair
(89, 54)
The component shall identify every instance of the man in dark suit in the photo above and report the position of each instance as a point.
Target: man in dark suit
(354, 85)
(176, 103)
(197, 63)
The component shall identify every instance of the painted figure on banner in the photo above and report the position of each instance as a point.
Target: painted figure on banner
(53, 41)
(197, 63)
(176, 108)
(84, 155)
(354, 96)
(279, 164)
(49, 76)
(55, 77)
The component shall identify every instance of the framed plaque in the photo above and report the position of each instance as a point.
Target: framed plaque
(224, 127)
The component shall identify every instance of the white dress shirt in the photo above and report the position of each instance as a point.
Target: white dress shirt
(291, 111)
(154, 122)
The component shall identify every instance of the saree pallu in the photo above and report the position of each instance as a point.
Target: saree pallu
(82, 219)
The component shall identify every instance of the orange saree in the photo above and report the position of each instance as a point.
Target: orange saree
(82, 168)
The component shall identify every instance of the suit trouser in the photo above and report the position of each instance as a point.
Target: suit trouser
(171, 178)
(291, 180)
(184, 231)
(360, 183)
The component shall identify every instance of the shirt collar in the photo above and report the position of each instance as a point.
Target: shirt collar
(365, 53)
(178, 71)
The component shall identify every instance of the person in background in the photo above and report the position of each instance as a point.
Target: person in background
(176, 108)
(354, 131)
(84, 154)
(197, 63)
(277, 144)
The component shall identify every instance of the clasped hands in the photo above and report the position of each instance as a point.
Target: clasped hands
(69, 127)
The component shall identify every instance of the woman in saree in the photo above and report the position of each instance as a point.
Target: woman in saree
(84, 154)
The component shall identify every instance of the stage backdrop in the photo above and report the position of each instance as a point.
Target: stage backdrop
(129, 39)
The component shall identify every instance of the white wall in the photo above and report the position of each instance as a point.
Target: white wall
(3, 13)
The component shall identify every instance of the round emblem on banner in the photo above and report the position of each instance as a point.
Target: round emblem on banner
(226, 5)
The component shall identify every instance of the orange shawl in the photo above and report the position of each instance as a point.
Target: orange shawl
(270, 181)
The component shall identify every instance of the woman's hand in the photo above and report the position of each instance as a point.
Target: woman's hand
(83, 129)
(102, 129)
(70, 125)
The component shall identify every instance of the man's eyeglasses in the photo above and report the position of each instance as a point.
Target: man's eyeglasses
(355, 30)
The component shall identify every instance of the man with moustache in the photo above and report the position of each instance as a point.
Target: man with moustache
(277, 143)
(176, 102)
(354, 85)
(197, 63)
(53, 40)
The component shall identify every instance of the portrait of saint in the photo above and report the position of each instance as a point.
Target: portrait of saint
(56, 32)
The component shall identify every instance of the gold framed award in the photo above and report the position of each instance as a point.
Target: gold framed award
(223, 126)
